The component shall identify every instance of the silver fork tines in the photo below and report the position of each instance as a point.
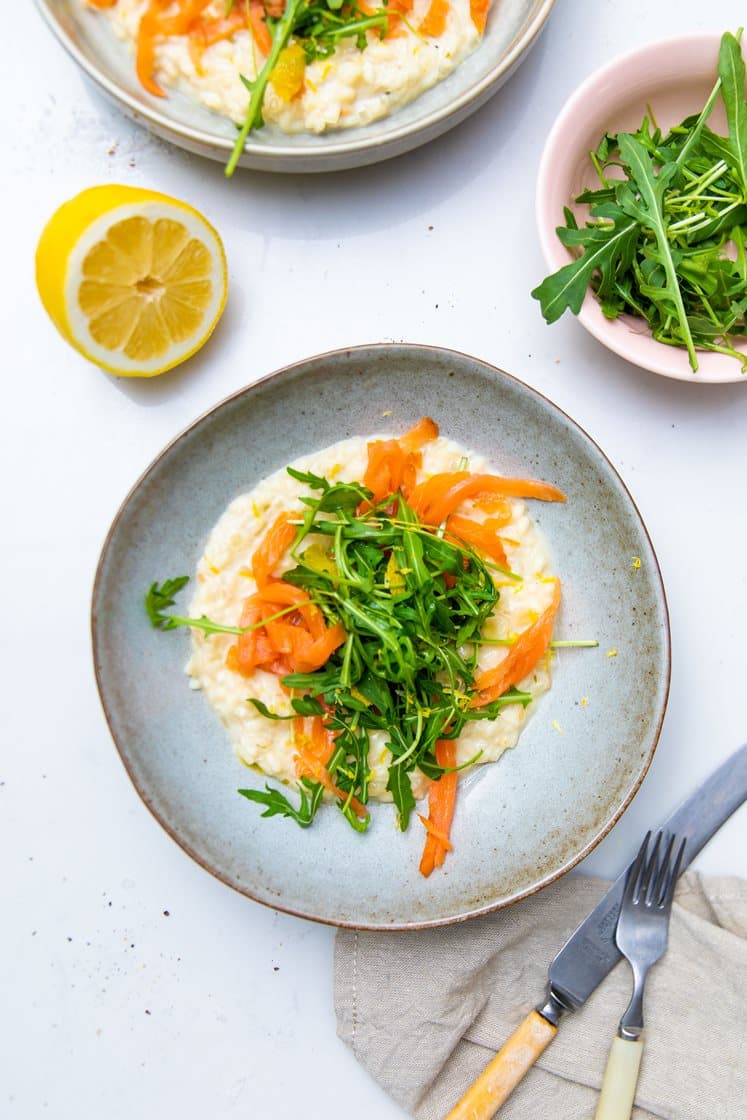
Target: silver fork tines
(643, 925)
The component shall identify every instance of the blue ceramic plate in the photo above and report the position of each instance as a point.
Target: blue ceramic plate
(521, 822)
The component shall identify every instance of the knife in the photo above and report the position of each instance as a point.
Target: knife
(591, 953)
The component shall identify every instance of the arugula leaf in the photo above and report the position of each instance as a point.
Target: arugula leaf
(648, 211)
(693, 127)
(313, 481)
(276, 804)
(307, 706)
(302, 706)
(603, 247)
(400, 787)
(265, 711)
(161, 596)
(717, 147)
(732, 74)
(343, 497)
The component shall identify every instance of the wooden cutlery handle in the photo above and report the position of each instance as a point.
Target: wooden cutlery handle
(620, 1080)
(501, 1076)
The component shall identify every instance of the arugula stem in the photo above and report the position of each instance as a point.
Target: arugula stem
(737, 238)
(357, 26)
(706, 179)
(570, 643)
(205, 624)
(685, 223)
(694, 137)
(651, 190)
(722, 213)
(209, 627)
(159, 598)
(599, 169)
(281, 33)
(560, 643)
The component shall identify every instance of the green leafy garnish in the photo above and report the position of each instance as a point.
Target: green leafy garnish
(302, 706)
(731, 75)
(161, 596)
(667, 242)
(276, 804)
(413, 606)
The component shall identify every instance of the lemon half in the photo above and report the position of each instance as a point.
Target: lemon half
(134, 280)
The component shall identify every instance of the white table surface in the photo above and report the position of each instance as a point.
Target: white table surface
(137, 985)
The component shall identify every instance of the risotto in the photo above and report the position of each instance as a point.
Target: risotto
(225, 581)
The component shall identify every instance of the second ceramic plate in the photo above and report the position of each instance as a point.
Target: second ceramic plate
(513, 27)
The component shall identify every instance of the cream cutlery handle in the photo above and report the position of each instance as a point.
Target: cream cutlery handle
(501, 1076)
(620, 1080)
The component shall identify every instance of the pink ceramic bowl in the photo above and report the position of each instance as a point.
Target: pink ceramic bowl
(674, 77)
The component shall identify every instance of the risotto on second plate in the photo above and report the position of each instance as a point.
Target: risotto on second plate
(344, 65)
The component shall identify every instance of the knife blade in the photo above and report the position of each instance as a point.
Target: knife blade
(590, 953)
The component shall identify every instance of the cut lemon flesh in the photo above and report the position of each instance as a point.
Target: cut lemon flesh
(134, 280)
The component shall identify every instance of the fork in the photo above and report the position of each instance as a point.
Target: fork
(642, 931)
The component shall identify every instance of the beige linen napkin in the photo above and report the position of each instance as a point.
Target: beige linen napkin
(424, 1012)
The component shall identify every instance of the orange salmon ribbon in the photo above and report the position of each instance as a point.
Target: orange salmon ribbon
(299, 641)
(163, 19)
(529, 648)
(393, 464)
(437, 497)
(441, 802)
